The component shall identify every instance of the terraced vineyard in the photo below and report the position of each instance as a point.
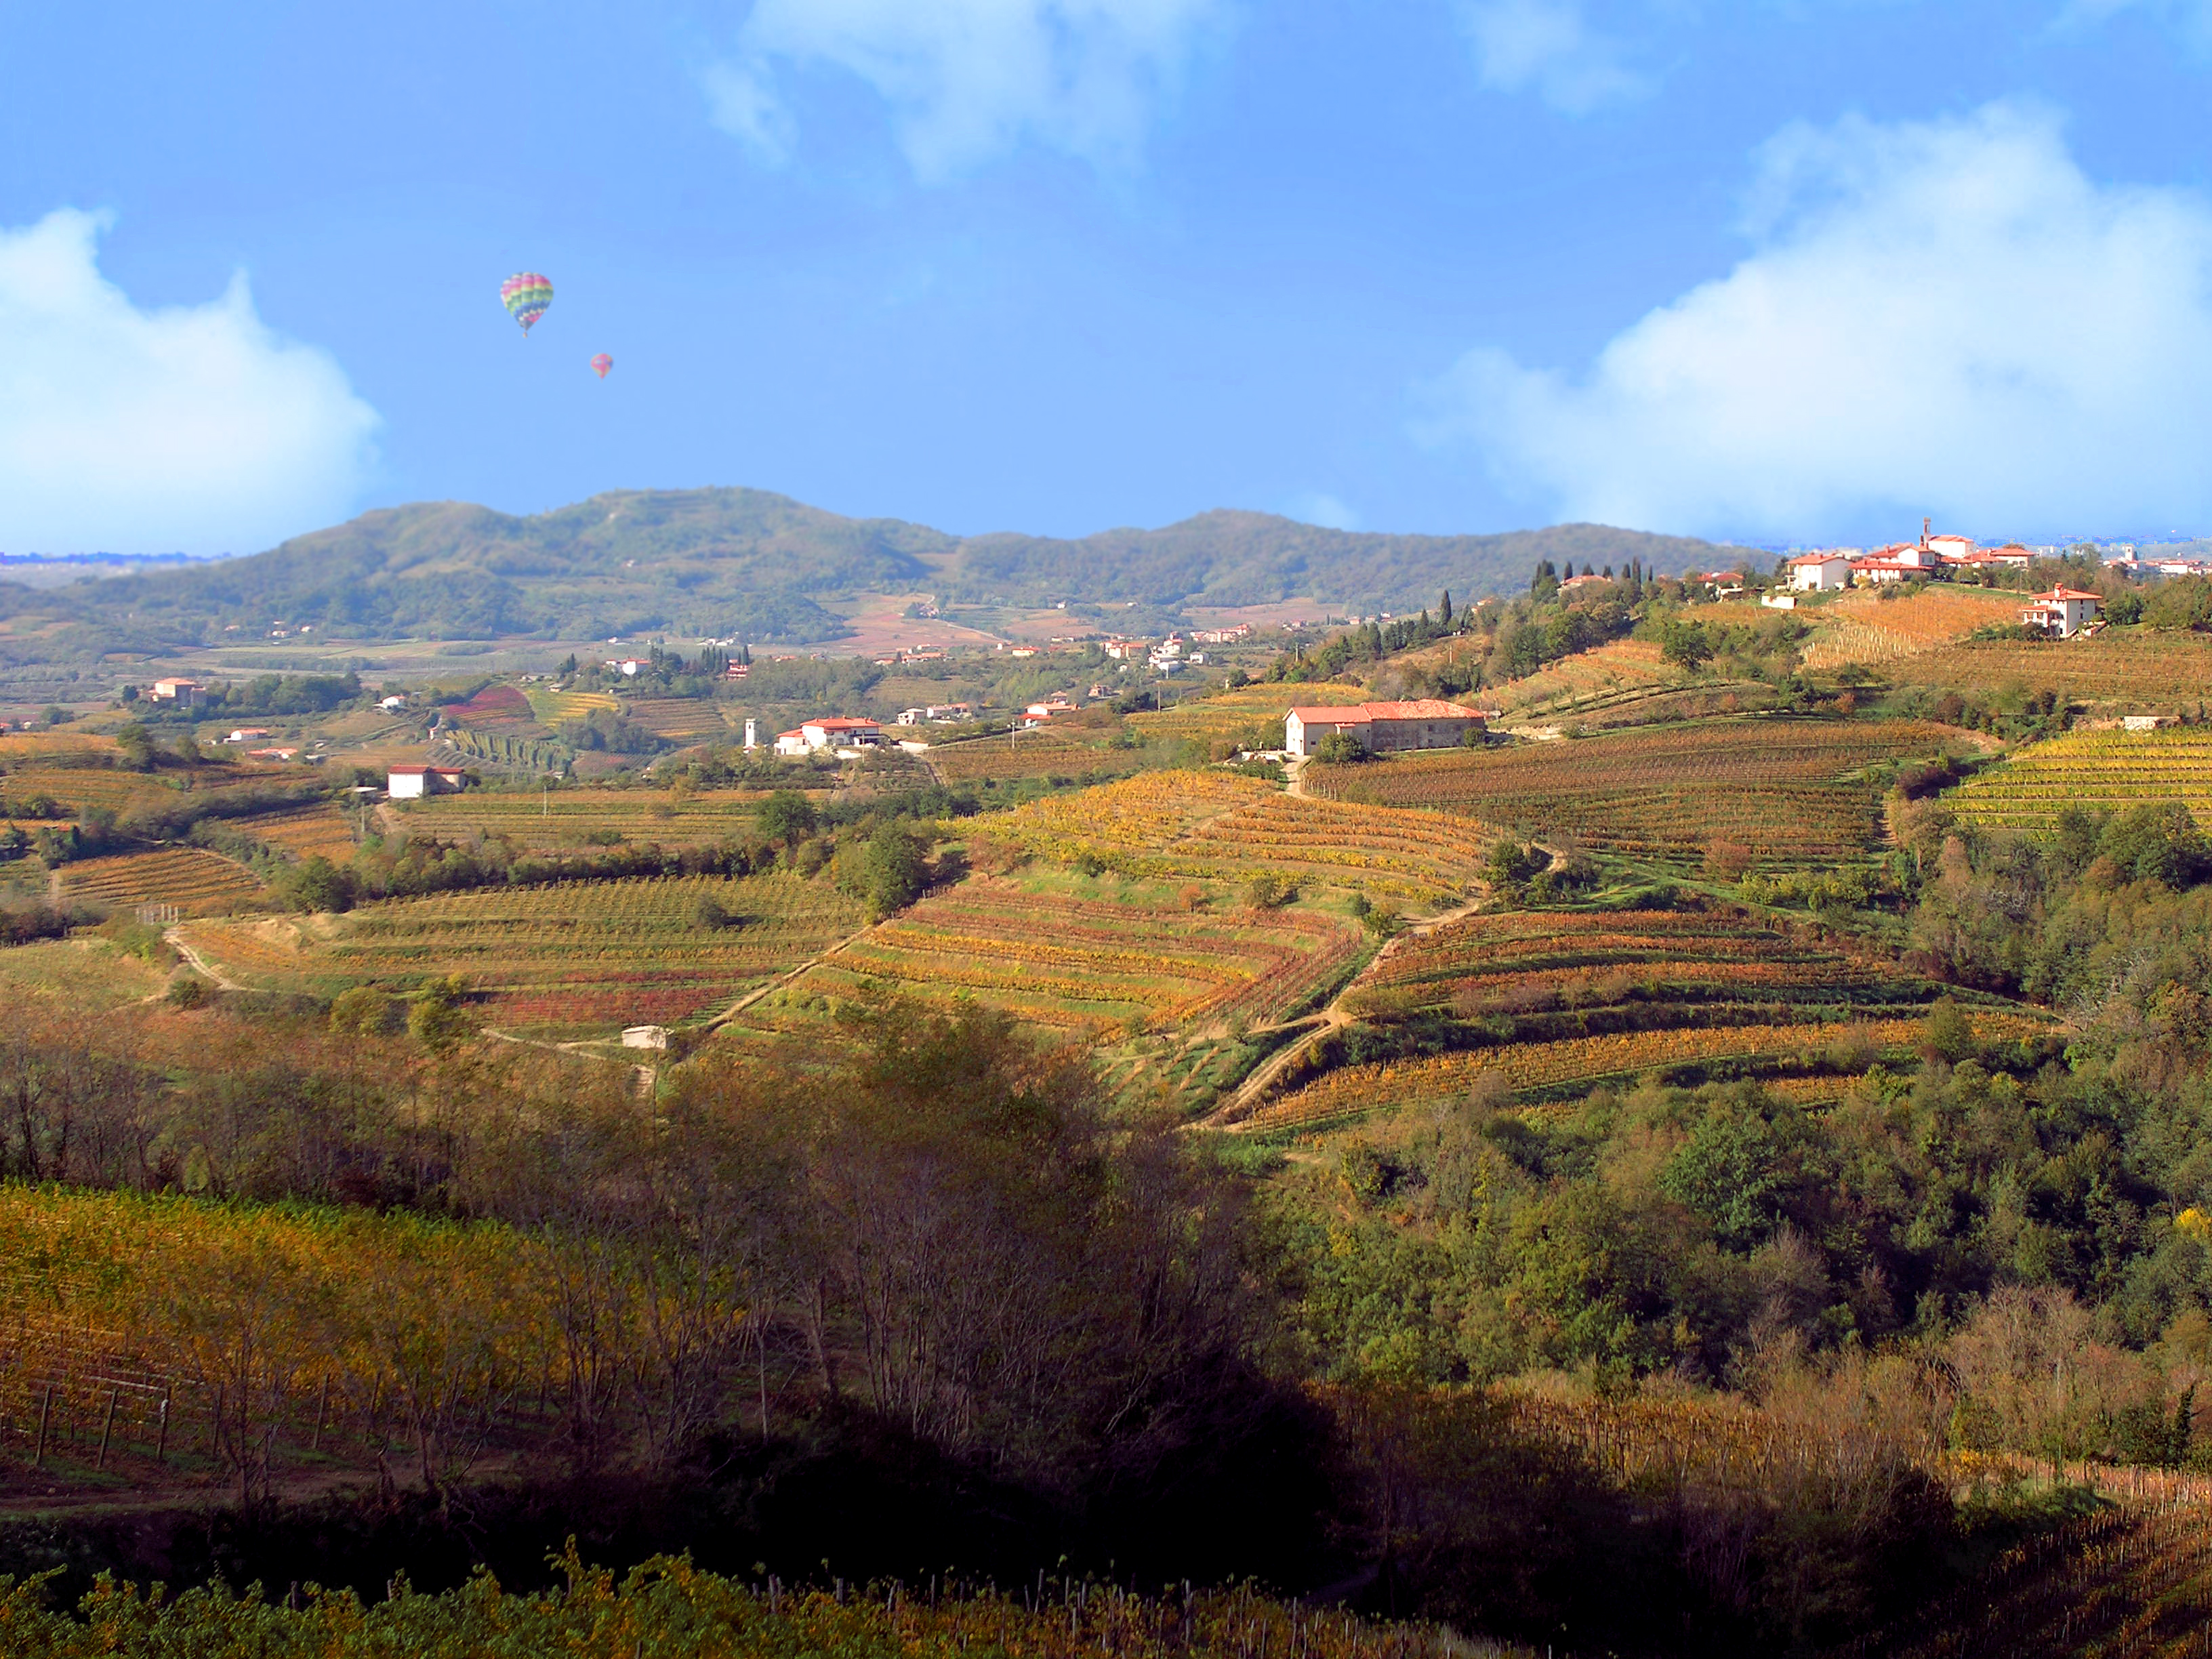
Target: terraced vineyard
(1043, 753)
(307, 832)
(115, 791)
(1523, 961)
(1623, 679)
(2133, 670)
(1865, 628)
(1090, 966)
(2108, 769)
(570, 817)
(80, 787)
(1791, 792)
(200, 882)
(65, 748)
(1572, 1066)
(552, 707)
(680, 719)
(1166, 994)
(578, 958)
(1217, 826)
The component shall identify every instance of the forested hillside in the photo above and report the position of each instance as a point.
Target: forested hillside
(746, 563)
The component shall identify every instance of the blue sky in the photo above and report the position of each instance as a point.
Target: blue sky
(1797, 270)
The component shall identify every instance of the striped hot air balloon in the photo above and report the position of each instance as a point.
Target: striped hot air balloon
(601, 364)
(526, 294)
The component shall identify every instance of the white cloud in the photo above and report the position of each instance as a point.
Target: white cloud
(967, 79)
(1945, 317)
(1545, 46)
(192, 428)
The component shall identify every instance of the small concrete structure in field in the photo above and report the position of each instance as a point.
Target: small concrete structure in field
(645, 1036)
(1380, 727)
(413, 782)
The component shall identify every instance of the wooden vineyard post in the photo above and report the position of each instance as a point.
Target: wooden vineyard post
(322, 1410)
(161, 1445)
(106, 1429)
(45, 1415)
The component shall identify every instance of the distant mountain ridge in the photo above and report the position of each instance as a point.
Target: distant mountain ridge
(762, 566)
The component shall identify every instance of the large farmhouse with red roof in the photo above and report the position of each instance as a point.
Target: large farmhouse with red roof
(1424, 723)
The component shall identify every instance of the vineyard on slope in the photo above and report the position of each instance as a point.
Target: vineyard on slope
(199, 881)
(142, 1331)
(307, 832)
(566, 817)
(1866, 628)
(2113, 770)
(1218, 826)
(1098, 969)
(1250, 712)
(577, 958)
(680, 719)
(1045, 752)
(2135, 670)
(552, 707)
(1521, 962)
(1789, 791)
(1537, 1071)
(1620, 683)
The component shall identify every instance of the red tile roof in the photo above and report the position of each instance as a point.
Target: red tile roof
(1420, 708)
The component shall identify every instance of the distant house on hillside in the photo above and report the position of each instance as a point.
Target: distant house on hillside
(1903, 561)
(186, 692)
(2063, 611)
(413, 782)
(833, 732)
(1379, 727)
(1820, 572)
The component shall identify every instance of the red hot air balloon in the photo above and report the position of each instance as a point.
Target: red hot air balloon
(601, 364)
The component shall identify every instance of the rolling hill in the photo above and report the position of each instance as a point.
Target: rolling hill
(764, 567)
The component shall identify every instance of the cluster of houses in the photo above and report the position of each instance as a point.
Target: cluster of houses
(1169, 655)
(2061, 613)
(1932, 558)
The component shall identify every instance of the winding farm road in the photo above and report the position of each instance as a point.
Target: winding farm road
(1252, 1093)
(174, 938)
